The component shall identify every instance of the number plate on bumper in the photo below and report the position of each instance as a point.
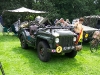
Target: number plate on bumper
(69, 48)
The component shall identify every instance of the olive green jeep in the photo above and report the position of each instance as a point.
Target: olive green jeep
(47, 39)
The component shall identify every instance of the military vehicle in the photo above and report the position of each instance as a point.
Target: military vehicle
(48, 39)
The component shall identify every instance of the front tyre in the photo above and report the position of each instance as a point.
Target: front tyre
(72, 54)
(43, 54)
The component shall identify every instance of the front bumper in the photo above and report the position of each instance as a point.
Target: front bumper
(60, 49)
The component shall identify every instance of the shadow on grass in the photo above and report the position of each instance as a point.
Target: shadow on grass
(86, 46)
(56, 62)
(33, 52)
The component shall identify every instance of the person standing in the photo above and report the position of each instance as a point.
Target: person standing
(78, 29)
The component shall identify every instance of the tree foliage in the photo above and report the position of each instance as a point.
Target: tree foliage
(57, 8)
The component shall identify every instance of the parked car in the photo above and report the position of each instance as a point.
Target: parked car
(48, 39)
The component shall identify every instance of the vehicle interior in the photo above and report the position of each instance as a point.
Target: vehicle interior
(32, 26)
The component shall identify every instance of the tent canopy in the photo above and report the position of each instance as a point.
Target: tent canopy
(23, 9)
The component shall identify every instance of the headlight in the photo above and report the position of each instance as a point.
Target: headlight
(57, 40)
(86, 35)
(74, 39)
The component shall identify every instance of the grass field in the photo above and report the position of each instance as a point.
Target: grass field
(17, 61)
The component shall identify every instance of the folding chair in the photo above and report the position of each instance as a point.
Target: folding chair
(6, 30)
(1, 68)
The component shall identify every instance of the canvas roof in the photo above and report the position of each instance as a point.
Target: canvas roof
(23, 9)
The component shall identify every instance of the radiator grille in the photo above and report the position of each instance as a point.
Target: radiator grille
(66, 41)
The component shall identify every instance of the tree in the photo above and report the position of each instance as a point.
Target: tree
(74, 8)
(57, 8)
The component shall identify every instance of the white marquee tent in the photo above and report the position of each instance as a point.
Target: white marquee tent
(23, 9)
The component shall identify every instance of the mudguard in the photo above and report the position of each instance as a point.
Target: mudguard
(48, 39)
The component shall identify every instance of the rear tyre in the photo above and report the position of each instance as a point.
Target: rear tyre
(43, 54)
(72, 54)
(24, 45)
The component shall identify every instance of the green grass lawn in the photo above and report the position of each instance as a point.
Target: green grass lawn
(17, 61)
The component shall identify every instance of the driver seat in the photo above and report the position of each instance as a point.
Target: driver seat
(33, 29)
